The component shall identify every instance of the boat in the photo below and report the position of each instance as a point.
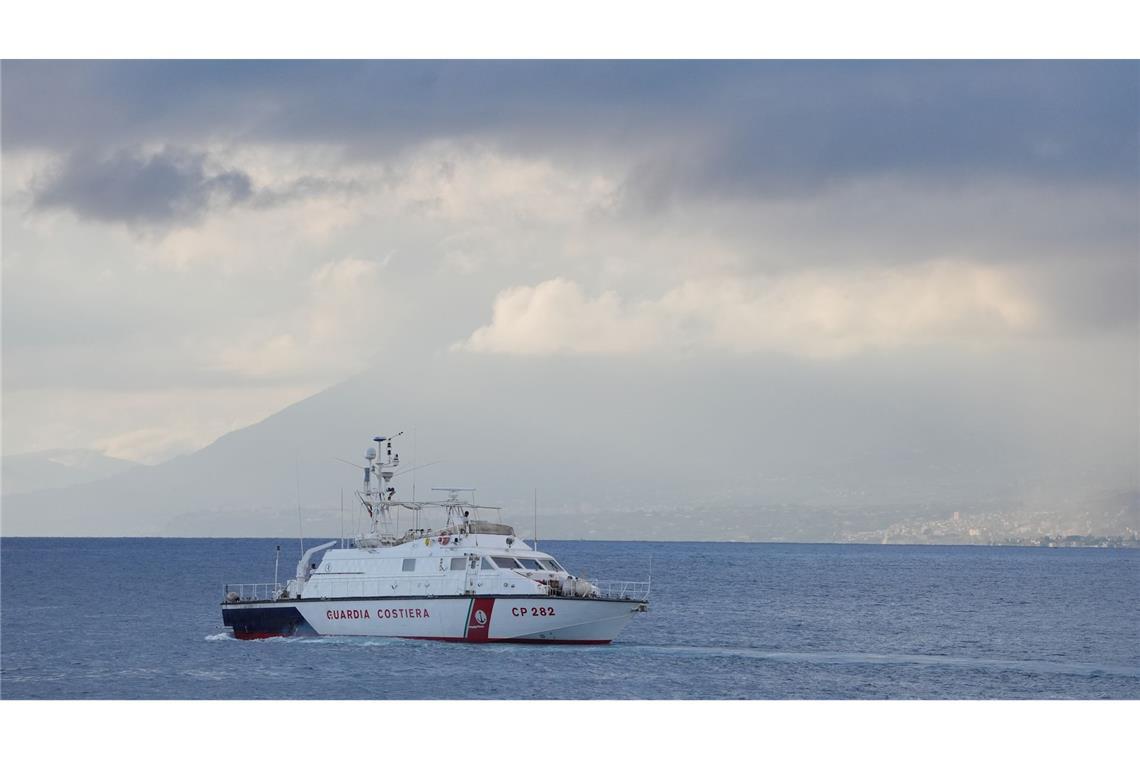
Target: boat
(468, 579)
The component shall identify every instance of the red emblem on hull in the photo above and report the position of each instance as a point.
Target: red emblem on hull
(479, 622)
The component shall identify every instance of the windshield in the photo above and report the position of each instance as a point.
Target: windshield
(530, 564)
(507, 563)
(550, 564)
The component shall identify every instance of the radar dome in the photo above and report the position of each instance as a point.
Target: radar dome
(370, 454)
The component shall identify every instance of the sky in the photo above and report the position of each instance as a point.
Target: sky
(190, 247)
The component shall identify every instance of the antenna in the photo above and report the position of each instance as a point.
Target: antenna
(276, 562)
(342, 518)
(406, 470)
(536, 519)
(415, 460)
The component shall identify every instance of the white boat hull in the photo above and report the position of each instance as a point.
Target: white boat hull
(475, 619)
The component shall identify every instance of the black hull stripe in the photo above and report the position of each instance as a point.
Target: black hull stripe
(266, 621)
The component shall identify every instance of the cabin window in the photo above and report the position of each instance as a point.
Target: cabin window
(530, 564)
(507, 563)
(458, 563)
(550, 564)
(487, 564)
(409, 565)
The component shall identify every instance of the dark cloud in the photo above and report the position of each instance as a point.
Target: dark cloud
(764, 127)
(168, 189)
(305, 187)
(945, 123)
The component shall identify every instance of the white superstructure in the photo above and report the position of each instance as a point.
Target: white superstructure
(466, 579)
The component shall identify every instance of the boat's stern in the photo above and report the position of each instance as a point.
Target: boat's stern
(263, 621)
(261, 611)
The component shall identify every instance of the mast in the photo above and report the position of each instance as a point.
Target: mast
(377, 492)
(378, 497)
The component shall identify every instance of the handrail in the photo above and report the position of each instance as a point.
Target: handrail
(252, 592)
(633, 591)
(628, 591)
(637, 591)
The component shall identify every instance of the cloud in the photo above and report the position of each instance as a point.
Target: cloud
(730, 127)
(313, 215)
(556, 317)
(326, 336)
(169, 188)
(815, 314)
(304, 188)
(143, 443)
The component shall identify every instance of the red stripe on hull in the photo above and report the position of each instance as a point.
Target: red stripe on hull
(248, 636)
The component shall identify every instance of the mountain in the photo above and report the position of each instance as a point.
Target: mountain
(57, 468)
(611, 446)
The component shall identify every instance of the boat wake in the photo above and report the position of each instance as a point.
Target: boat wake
(1091, 670)
(355, 641)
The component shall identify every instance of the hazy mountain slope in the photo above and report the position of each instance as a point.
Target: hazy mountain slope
(57, 468)
(613, 437)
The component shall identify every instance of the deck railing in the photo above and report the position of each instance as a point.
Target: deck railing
(629, 591)
(635, 591)
(252, 592)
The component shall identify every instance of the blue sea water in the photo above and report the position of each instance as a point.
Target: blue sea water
(139, 619)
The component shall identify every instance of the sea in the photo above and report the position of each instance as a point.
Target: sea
(139, 618)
